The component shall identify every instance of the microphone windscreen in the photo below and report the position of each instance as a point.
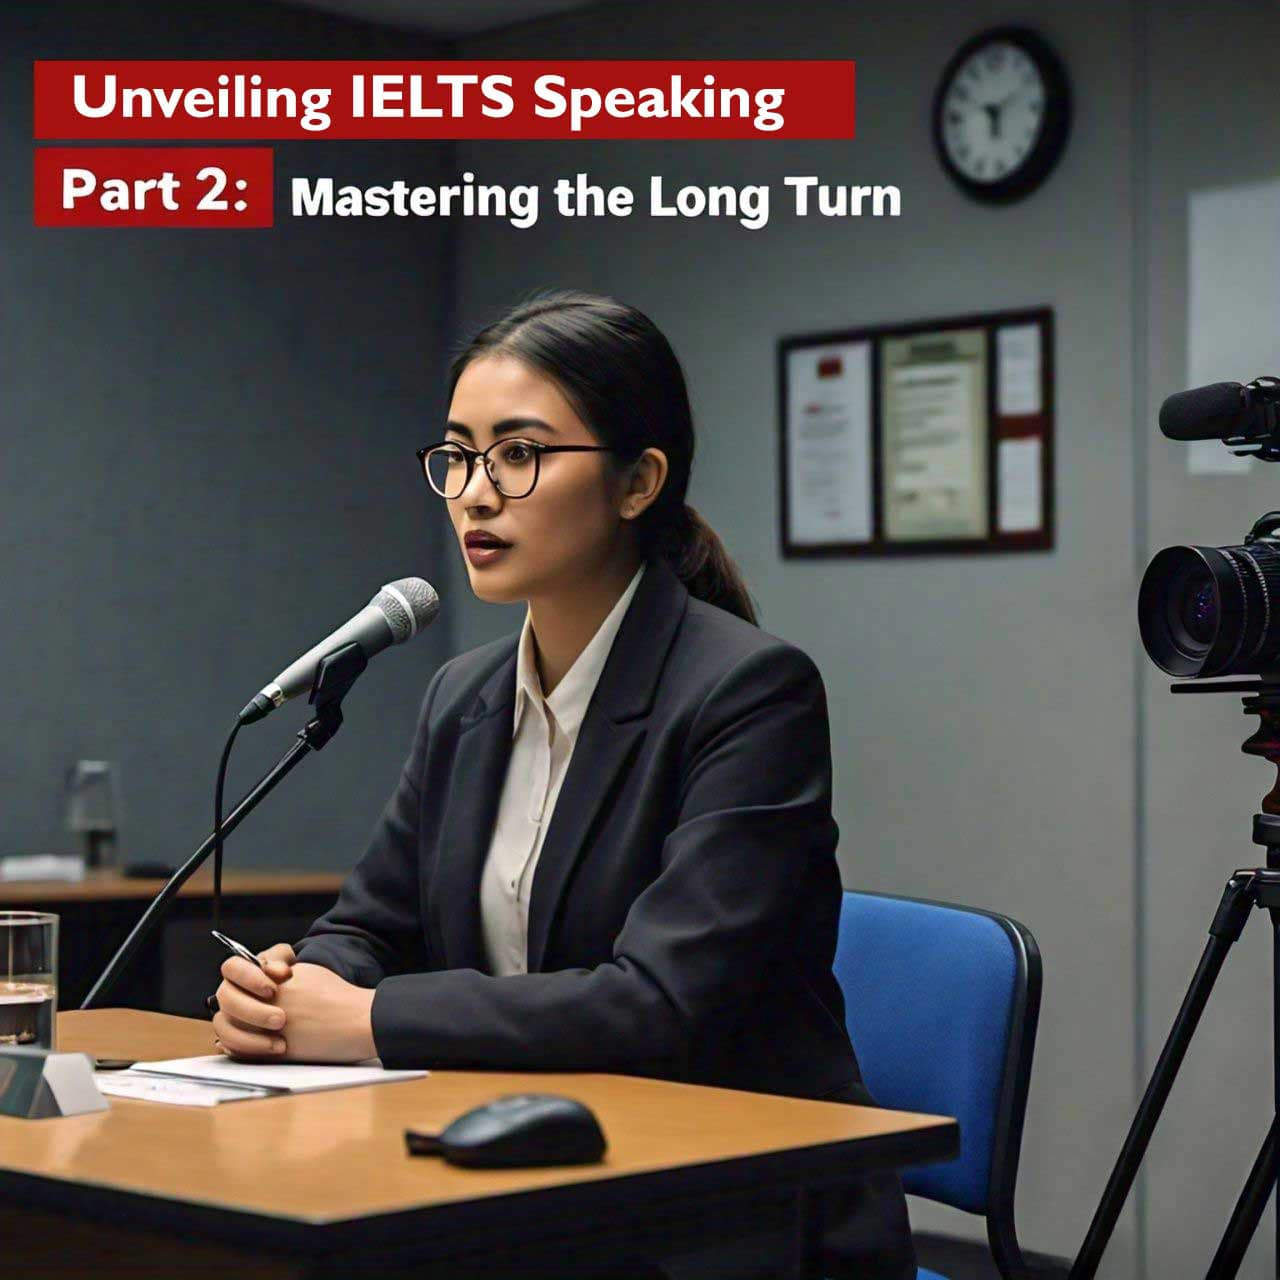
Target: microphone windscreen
(409, 605)
(1203, 413)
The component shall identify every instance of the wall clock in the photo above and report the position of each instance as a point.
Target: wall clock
(1001, 114)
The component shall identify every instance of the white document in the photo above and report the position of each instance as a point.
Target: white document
(933, 439)
(933, 446)
(182, 1093)
(1019, 492)
(1233, 310)
(829, 443)
(1017, 370)
(283, 1077)
(42, 866)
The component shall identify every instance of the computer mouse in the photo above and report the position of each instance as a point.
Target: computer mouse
(516, 1130)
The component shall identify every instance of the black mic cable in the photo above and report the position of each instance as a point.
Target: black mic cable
(217, 826)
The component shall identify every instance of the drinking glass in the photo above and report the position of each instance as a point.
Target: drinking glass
(28, 978)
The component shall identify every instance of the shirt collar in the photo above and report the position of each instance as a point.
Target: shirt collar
(568, 700)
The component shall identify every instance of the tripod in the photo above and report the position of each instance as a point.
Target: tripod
(1246, 889)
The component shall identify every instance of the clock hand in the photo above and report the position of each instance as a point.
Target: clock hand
(994, 110)
(1008, 98)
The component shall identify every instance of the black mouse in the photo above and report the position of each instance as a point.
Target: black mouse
(516, 1130)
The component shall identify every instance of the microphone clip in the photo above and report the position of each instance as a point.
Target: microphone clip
(335, 674)
(1260, 434)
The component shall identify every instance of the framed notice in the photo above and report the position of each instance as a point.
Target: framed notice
(935, 437)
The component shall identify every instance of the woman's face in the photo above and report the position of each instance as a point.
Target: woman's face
(572, 521)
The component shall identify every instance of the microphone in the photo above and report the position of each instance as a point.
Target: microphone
(1206, 413)
(396, 614)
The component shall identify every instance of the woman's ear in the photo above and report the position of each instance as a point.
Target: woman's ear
(647, 475)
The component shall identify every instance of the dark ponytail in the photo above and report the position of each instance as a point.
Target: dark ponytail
(622, 378)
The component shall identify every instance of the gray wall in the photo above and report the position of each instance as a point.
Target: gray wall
(205, 465)
(987, 711)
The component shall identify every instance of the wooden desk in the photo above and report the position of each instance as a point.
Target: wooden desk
(178, 966)
(108, 885)
(321, 1184)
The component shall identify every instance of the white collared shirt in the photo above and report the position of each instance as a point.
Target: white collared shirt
(544, 730)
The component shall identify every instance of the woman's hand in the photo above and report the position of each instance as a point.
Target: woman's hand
(248, 1018)
(312, 1013)
(327, 1018)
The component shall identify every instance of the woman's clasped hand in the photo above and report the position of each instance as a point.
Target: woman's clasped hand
(291, 1012)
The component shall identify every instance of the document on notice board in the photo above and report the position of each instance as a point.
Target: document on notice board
(935, 435)
(829, 443)
(1018, 370)
(1021, 502)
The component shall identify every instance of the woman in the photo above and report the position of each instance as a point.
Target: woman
(611, 847)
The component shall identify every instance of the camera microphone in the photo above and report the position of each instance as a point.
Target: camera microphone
(1230, 411)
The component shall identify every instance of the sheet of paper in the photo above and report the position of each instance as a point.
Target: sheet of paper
(182, 1093)
(829, 443)
(935, 435)
(1018, 370)
(42, 866)
(1019, 493)
(296, 1077)
(1233, 308)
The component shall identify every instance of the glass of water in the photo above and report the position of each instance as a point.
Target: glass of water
(28, 978)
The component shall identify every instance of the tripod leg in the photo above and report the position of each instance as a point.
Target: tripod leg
(1233, 911)
(1247, 1213)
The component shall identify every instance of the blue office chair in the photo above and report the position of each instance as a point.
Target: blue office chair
(941, 1003)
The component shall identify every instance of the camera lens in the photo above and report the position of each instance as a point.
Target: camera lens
(1194, 605)
(1212, 611)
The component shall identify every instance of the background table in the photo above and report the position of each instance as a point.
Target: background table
(321, 1184)
(177, 967)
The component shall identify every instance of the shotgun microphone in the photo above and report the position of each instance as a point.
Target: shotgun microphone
(1241, 415)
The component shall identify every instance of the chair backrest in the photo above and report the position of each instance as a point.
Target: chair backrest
(941, 1003)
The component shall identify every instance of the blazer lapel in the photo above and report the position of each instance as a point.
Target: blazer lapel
(612, 729)
(481, 755)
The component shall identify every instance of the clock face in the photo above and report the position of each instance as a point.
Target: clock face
(993, 112)
(1001, 114)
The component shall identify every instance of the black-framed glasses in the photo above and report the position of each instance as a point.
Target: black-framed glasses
(513, 464)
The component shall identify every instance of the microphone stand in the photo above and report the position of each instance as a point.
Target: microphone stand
(335, 675)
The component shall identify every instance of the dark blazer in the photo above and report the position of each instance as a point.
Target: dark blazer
(684, 907)
(685, 902)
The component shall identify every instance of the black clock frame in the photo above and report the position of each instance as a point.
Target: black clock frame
(1054, 129)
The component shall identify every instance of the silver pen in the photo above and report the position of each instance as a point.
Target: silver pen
(236, 948)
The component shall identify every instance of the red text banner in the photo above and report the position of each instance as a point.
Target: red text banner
(153, 187)
(636, 99)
